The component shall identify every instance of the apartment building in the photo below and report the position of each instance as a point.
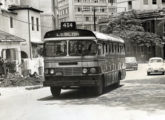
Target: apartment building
(82, 11)
(126, 5)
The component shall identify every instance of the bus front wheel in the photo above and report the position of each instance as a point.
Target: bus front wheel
(55, 91)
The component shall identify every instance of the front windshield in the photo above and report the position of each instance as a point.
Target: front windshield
(130, 59)
(82, 47)
(156, 60)
(56, 48)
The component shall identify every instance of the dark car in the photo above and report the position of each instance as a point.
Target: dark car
(131, 63)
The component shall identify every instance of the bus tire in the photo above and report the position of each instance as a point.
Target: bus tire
(55, 91)
(99, 88)
(117, 84)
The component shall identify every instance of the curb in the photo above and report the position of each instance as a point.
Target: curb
(34, 87)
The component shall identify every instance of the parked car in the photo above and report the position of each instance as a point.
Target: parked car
(131, 63)
(155, 66)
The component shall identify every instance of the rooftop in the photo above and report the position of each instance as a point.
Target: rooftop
(7, 37)
(23, 7)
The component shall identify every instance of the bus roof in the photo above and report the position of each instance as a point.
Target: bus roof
(108, 37)
(82, 33)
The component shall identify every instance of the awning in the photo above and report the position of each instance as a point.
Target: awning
(7, 37)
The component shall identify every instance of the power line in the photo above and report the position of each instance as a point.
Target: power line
(43, 26)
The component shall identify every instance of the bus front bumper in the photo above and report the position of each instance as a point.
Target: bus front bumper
(72, 81)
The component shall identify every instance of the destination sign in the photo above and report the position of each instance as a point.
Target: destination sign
(67, 34)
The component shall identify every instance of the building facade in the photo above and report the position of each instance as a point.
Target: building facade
(48, 19)
(20, 27)
(82, 11)
(126, 5)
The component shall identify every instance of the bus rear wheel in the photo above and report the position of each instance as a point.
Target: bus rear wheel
(55, 91)
(117, 84)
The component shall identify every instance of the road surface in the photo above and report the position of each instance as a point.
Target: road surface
(140, 97)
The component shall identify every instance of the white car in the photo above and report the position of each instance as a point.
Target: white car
(155, 66)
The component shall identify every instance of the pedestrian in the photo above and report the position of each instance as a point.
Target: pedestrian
(1, 67)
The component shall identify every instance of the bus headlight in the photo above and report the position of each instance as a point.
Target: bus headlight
(85, 70)
(58, 73)
(93, 70)
(51, 71)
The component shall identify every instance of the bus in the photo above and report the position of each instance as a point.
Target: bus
(83, 59)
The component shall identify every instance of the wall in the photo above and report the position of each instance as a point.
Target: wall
(47, 17)
(23, 29)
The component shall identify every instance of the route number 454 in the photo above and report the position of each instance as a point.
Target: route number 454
(68, 25)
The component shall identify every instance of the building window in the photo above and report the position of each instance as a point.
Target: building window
(37, 23)
(86, 1)
(78, 9)
(32, 22)
(129, 5)
(103, 9)
(86, 8)
(103, 1)
(145, 2)
(154, 2)
(87, 19)
(94, 1)
(11, 22)
(164, 29)
(111, 1)
(112, 10)
(77, 1)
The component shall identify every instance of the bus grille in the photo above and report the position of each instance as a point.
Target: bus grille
(70, 71)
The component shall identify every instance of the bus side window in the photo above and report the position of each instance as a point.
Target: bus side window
(110, 47)
(106, 47)
(118, 48)
(103, 49)
(100, 49)
(114, 48)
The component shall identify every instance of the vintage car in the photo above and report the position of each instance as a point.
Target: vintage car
(155, 66)
(131, 63)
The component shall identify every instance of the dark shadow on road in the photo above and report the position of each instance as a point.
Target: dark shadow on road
(144, 94)
(78, 94)
(158, 79)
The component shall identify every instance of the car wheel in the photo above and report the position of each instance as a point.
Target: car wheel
(55, 91)
(148, 73)
(162, 73)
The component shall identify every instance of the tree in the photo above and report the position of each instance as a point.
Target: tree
(129, 27)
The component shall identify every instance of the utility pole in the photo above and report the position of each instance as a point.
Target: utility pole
(30, 47)
(94, 18)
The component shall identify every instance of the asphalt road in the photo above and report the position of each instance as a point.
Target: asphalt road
(139, 97)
